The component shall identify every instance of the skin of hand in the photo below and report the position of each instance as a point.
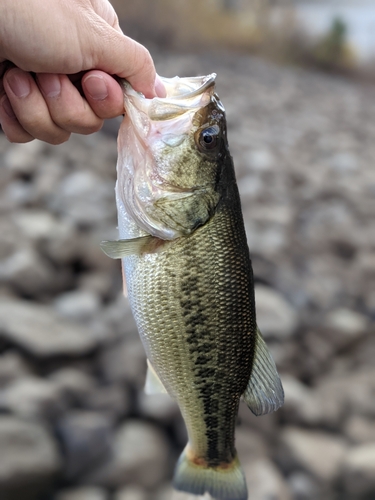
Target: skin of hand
(56, 58)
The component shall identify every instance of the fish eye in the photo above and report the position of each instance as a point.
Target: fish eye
(208, 138)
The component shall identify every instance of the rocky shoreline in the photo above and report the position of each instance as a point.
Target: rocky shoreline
(74, 422)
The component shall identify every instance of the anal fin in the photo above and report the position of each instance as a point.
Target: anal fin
(124, 286)
(264, 393)
(153, 384)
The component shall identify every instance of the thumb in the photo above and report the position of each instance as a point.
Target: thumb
(117, 54)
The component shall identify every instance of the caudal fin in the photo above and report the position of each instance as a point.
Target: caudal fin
(222, 483)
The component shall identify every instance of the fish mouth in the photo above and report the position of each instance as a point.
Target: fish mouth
(183, 95)
(177, 88)
(187, 88)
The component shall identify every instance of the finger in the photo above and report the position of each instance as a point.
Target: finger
(30, 107)
(103, 93)
(12, 129)
(68, 109)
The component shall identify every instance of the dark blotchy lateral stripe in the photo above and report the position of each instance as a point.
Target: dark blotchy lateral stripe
(219, 331)
(200, 338)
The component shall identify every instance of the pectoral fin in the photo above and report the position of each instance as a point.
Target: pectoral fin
(135, 246)
(264, 393)
(153, 383)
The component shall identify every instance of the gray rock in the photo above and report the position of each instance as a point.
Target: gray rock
(348, 326)
(75, 385)
(347, 321)
(42, 332)
(276, 317)
(304, 487)
(363, 354)
(348, 391)
(112, 400)
(300, 404)
(24, 158)
(85, 198)
(83, 493)
(344, 163)
(132, 493)
(79, 305)
(125, 362)
(119, 318)
(33, 398)
(264, 481)
(250, 445)
(11, 238)
(29, 459)
(99, 283)
(64, 244)
(18, 194)
(160, 407)
(266, 426)
(265, 239)
(304, 449)
(167, 492)
(34, 224)
(140, 457)
(261, 160)
(28, 272)
(358, 473)
(12, 367)
(250, 187)
(320, 351)
(360, 430)
(171, 494)
(86, 441)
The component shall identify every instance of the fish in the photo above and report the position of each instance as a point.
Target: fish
(189, 277)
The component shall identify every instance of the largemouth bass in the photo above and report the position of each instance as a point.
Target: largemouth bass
(189, 278)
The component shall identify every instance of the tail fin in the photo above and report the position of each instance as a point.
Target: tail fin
(222, 483)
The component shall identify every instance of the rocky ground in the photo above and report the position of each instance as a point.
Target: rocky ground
(74, 422)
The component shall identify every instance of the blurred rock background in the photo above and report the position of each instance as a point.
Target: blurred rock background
(74, 422)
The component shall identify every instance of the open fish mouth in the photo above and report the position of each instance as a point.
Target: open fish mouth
(177, 87)
(182, 95)
(186, 88)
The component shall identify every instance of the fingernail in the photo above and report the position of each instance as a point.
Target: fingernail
(7, 107)
(50, 84)
(96, 87)
(159, 87)
(19, 83)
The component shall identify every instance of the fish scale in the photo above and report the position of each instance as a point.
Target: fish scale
(189, 277)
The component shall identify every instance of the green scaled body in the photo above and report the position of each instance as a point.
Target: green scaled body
(190, 284)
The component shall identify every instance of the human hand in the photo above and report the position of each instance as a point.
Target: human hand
(55, 39)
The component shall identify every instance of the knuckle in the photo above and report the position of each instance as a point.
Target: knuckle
(57, 139)
(92, 129)
(32, 121)
(80, 123)
(16, 137)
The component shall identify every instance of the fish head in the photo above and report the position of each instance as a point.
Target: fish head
(170, 155)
